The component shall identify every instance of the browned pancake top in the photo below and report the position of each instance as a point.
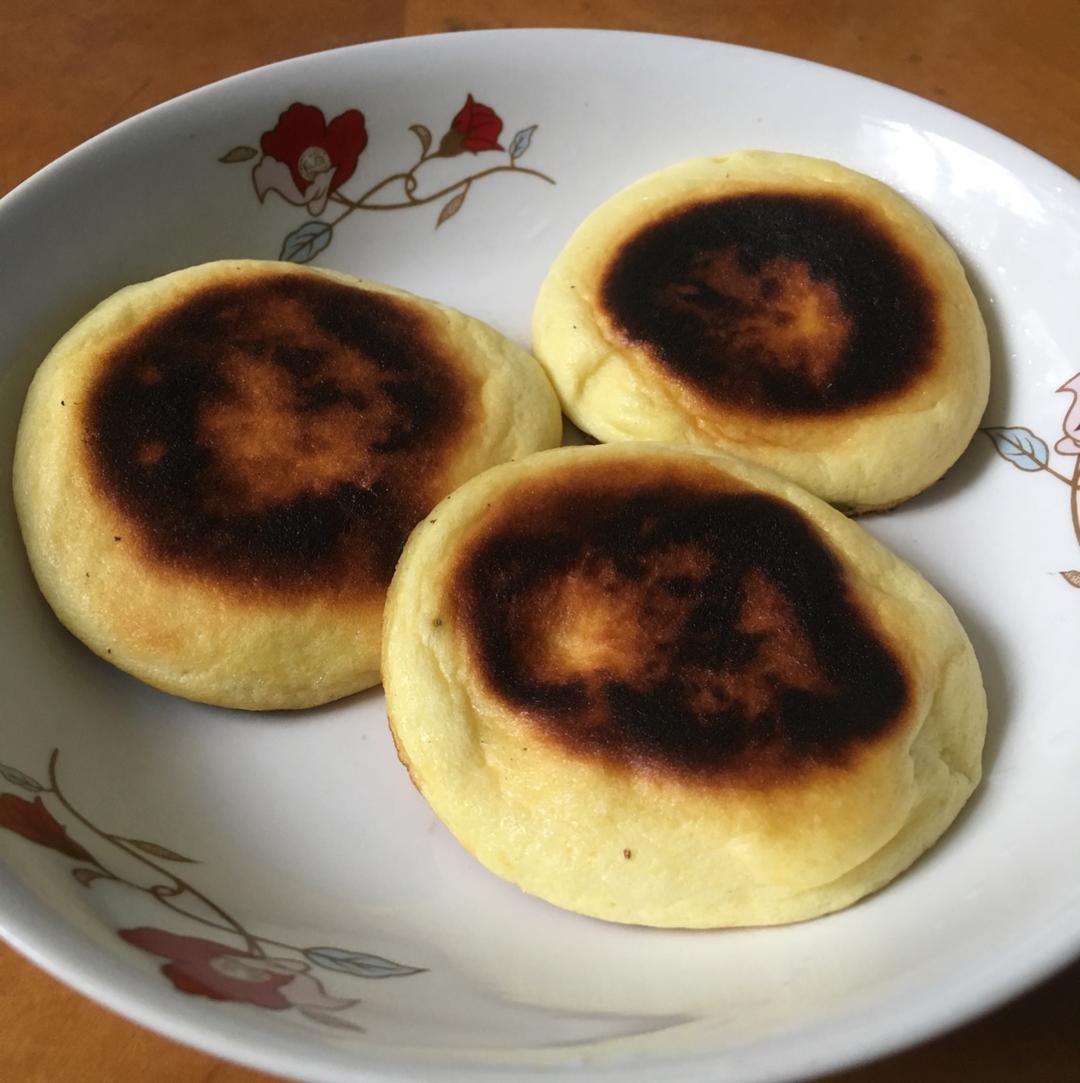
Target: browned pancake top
(654, 618)
(793, 304)
(281, 431)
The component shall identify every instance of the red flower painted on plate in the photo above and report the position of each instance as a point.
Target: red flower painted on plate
(33, 821)
(209, 969)
(305, 159)
(475, 127)
(1069, 444)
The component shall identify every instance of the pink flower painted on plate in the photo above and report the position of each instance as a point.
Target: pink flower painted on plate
(209, 969)
(305, 159)
(1069, 444)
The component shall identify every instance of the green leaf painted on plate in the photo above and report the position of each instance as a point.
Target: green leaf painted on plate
(305, 243)
(359, 963)
(1020, 446)
(520, 143)
(23, 781)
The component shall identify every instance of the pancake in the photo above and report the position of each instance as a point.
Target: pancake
(665, 686)
(216, 471)
(782, 308)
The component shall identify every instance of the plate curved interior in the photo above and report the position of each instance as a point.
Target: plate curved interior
(343, 932)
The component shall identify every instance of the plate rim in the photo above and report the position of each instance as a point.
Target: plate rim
(81, 967)
(413, 40)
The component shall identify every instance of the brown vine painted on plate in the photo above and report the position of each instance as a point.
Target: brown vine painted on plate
(306, 160)
(251, 969)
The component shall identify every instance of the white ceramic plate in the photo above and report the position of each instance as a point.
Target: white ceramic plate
(341, 930)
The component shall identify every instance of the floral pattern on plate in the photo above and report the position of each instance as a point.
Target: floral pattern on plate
(275, 980)
(1030, 453)
(305, 160)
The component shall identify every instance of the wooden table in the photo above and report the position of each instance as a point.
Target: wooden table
(74, 67)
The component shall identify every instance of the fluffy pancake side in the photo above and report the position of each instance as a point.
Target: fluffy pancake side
(216, 470)
(664, 686)
(780, 307)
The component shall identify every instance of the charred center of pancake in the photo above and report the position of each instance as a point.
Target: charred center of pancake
(280, 430)
(669, 626)
(794, 304)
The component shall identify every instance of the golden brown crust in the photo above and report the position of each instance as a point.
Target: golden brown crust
(278, 434)
(215, 471)
(598, 603)
(785, 302)
(781, 308)
(678, 653)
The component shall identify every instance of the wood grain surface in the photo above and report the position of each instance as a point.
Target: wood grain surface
(71, 69)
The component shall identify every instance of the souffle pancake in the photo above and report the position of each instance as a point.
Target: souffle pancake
(216, 471)
(783, 308)
(665, 686)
